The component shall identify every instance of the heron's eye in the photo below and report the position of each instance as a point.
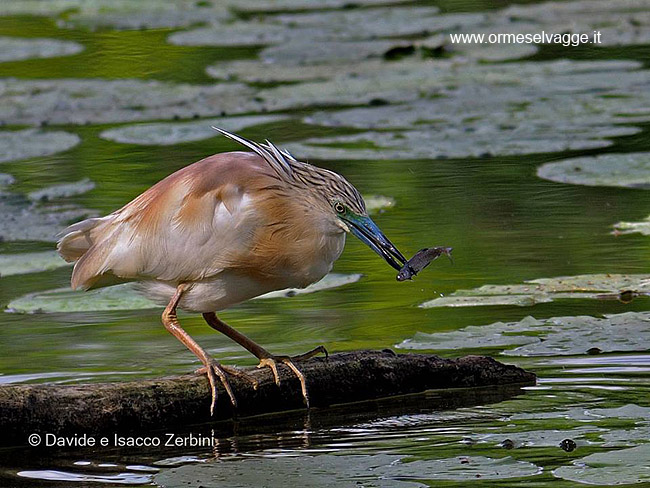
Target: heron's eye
(339, 208)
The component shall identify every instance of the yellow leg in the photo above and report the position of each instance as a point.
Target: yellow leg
(211, 367)
(267, 360)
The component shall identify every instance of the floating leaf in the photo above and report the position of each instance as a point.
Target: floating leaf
(626, 437)
(22, 219)
(321, 32)
(232, 34)
(629, 411)
(166, 134)
(121, 14)
(631, 170)
(332, 280)
(626, 466)
(61, 191)
(642, 227)
(520, 300)
(6, 180)
(34, 262)
(119, 297)
(378, 203)
(539, 438)
(31, 143)
(545, 290)
(381, 470)
(582, 414)
(620, 23)
(548, 337)
(283, 5)
(127, 14)
(15, 48)
(68, 101)
(127, 297)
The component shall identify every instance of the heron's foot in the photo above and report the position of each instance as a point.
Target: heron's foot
(271, 362)
(239, 373)
(215, 373)
(236, 372)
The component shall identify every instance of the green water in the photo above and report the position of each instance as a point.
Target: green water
(505, 224)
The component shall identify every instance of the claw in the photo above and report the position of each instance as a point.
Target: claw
(214, 370)
(271, 362)
(238, 373)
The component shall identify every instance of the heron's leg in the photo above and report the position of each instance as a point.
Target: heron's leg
(212, 368)
(267, 359)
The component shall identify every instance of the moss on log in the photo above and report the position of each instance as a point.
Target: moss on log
(182, 400)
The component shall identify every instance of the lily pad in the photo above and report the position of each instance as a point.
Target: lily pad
(24, 220)
(283, 5)
(369, 23)
(127, 297)
(61, 191)
(548, 337)
(545, 290)
(381, 470)
(332, 280)
(119, 297)
(311, 52)
(629, 411)
(620, 23)
(410, 79)
(642, 227)
(378, 203)
(626, 437)
(630, 170)
(232, 34)
(34, 262)
(581, 414)
(612, 468)
(425, 144)
(126, 14)
(68, 101)
(520, 300)
(166, 134)
(31, 143)
(290, 30)
(527, 108)
(540, 438)
(15, 48)
(6, 180)
(121, 14)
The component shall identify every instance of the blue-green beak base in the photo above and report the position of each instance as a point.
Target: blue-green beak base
(367, 231)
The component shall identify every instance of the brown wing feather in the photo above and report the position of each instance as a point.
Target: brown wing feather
(180, 229)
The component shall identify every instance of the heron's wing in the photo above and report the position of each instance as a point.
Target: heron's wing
(191, 225)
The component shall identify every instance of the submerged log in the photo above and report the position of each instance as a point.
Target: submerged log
(181, 400)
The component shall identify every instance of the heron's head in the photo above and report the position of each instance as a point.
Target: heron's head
(348, 209)
(327, 192)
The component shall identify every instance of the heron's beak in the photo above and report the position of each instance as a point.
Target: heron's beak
(368, 232)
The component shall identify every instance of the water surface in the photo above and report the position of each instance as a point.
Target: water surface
(505, 224)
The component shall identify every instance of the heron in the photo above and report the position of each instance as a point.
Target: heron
(223, 230)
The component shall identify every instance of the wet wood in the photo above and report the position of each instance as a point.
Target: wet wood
(182, 400)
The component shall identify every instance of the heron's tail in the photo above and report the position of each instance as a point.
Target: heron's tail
(77, 244)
